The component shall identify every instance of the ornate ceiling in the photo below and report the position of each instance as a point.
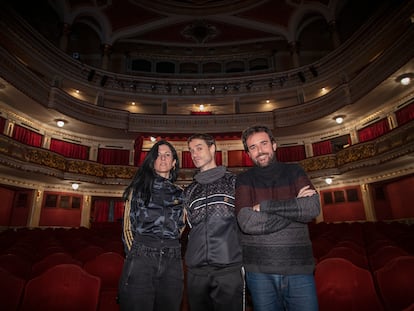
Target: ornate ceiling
(200, 28)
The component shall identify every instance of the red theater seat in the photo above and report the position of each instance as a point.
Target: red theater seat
(108, 267)
(11, 290)
(342, 286)
(51, 261)
(65, 287)
(360, 260)
(396, 283)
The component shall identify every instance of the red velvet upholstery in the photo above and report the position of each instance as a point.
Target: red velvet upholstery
(360, 260)
(396, 283)
(51, 261)
(108, 267)
(11, 290)
(88, 252)
(342, 286)
(16, 265)
(384, 255)
(65, 287)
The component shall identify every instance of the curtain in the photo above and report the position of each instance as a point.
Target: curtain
(113, 156)
(109, 210)
(27, 136)
(373, 131)
(405, 114)
(322, 147)
(291, 154)
(138, 151)
(118, 210)
(219, 158)
(101, 210)
(69, 150)
(238, 158)
(141, 158)
(186, 160)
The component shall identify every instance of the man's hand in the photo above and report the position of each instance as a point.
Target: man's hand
(305, 192)
(256, 208)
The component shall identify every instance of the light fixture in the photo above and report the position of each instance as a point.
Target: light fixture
(328, 180)
(75, 186)
(201, 107)
(153, 139)
(339, 119)
(405, 79)
(60, 123)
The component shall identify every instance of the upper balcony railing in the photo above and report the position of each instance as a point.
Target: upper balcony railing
(41, 71)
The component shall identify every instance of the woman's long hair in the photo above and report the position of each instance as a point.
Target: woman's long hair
(144, 177)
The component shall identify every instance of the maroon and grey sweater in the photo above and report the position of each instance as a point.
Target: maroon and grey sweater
(276, 239)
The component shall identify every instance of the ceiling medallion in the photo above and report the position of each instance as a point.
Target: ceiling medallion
(200, 31)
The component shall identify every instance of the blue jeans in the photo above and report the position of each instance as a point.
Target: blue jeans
(275, 292)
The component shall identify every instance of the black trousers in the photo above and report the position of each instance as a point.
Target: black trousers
(152, 280)
(215, 289)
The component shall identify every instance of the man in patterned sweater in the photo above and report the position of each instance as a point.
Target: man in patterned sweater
(213, 255)
(274, 203)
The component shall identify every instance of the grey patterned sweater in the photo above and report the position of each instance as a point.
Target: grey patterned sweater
(276, 239)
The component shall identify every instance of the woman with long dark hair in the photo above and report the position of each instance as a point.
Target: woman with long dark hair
(152, 277)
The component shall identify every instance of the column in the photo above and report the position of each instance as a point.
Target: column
(308, 150)
(86, 212)
(392, 121)
(236, 105)
(334, 34)
(106, 52)
(99, 99)
(294, 52)
(93, 153)
(224, 157)
(36, 208)
(46, 142)
(366, 191)
(64, 38)
(354, 137)
(164, 106)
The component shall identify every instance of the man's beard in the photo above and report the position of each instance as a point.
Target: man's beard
(271, 157)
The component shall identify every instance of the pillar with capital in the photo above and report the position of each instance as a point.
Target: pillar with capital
(106, 53)
(64, 38)
(334, 34)
(294, 52)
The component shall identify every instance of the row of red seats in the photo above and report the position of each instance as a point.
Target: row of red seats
(364, 266)
(68, 286)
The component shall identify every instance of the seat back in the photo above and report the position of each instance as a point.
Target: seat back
(349, 254)
(396, 282)
(108, 267)
(51, 261)
(16, 265)
(342, 286)
(64, 287)
(11, 290)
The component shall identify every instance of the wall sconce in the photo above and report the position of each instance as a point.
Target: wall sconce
(329, 180)
(75, 186)
(60, 123)
(405, 78)
(339, 119)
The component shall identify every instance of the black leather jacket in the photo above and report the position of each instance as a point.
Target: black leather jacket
(213, 239)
